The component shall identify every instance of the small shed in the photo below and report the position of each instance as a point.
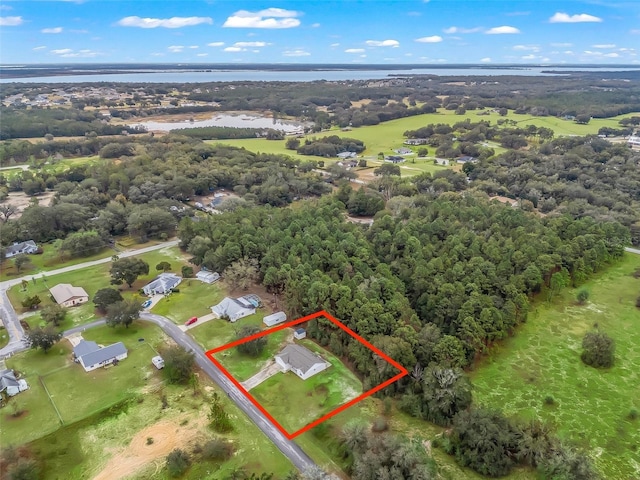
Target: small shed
(274, 319)
(158, 362)
(208, 277)
(300, 333)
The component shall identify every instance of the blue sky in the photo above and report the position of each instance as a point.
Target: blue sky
(354, 31)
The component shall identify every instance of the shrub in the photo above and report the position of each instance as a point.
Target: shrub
(379, 425)
(177, 462)
(598, 349)
(149, 440)
(217, 449)
(548, 400)
(633, 414)
(582, 296)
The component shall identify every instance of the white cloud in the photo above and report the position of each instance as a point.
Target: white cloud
(560, 17)
(173, 22)
(41, 47)
(52, 30)
(202, 54)
(193, 47)
(452, 30)
(504, 29)
(561, 45)
(10, 21)
(215, 44)
(486, 60)
(529, 57)
(315, 25)
(635, 31)
(176, 48)
(354, 50)
(363, 56)
(431, 39)
(527, 48)
(250, 44)
(61, 51)
(267, 18)
(6, 7)
(612, 55)
(604, 45)
(383, 43)
(69, 53)
(295, 53)
(234, 49)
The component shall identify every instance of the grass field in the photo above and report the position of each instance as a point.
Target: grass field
(75, 393)
(216, 333)
(93, 279)
(591, 407)
(294, 402)
(388, 136)
(195, 298)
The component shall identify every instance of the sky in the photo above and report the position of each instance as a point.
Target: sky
(320, 31)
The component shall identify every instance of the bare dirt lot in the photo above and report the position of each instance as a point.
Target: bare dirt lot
(21, 201)
(166, 435)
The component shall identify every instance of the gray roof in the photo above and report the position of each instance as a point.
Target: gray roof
(18, 247)
(300, 330)
(164, 281)
(7, 379)
(299, 357)
(231, 307)
(84, 347)
(104, 354)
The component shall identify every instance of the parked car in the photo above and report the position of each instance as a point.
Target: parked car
(191, 321)
(146, 304)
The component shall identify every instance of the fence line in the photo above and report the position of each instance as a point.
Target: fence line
(51, 399)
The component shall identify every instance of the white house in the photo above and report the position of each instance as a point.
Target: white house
(19, 248)
(301, 361)
(403, 151)
(91, 356)
(234, 308)
(208, 277)
(633, 140)
(67, 295)
(345, 155)
(274, 319)
(162, 284)
(10, 384)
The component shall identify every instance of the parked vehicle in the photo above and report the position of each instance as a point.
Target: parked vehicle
(191, 321)
(146, 304)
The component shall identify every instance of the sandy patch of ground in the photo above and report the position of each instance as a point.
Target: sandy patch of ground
(21, 201)
(166, 434)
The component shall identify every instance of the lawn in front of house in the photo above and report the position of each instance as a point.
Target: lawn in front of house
(294, 402)
(218, 332)
(538, 373)
(93, 279)
(194, 299)
(75, 393)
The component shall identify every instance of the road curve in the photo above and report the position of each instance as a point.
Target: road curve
(8, 314)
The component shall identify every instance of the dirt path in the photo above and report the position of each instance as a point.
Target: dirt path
(167, 435)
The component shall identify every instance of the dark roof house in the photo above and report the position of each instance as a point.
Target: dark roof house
(301, 361)
(162, 284)
(91, 356)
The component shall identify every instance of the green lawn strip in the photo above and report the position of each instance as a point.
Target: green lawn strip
(294, 402)
(591, 406)
(76, 393)
(93, 279)
(195, 298)
(218, 332)
(387, 136)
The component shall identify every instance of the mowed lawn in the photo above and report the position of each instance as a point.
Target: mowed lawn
(218, 332)
(76, 393)
(195, 298)
(294, 402)
(387, 136)
(591, 407)
(93, 279)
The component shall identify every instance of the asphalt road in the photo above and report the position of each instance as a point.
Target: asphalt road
(8, 314)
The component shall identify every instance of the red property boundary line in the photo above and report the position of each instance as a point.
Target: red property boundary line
(321, 313)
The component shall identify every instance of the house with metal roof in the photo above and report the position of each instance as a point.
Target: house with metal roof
(234, 308)
(301, 361)
(162, 284)
(67, 295)
(10, 384)
(91, 356)
(21, 248)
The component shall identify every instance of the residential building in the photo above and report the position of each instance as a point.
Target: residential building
(91, 356)
(466, 159)
(634, 141)
(208, 277)
(10, 384)
(394, 159)
(416, 141)
(27, 247)
(274, 319)
(301, 361)
(162, 284)
(234, 308)
(67, 295)
(403, 151)
(345, 155)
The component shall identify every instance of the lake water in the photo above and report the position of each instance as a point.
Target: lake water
(226, 120)
(189, 76)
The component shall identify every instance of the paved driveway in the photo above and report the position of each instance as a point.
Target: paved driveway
(267, 372)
